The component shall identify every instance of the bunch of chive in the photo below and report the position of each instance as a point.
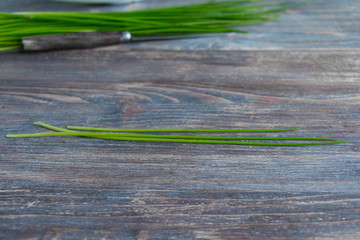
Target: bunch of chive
(203, 18)
(136, 135)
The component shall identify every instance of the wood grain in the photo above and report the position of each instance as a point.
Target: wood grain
(71, 188)
(66, 188)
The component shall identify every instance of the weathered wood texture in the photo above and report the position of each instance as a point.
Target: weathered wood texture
(320, 24)
(67, 188)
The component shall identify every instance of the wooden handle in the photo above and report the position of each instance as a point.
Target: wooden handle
(74, 40)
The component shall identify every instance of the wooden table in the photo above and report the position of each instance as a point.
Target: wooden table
(285, 74)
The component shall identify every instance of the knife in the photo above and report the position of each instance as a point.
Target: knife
(81, 40)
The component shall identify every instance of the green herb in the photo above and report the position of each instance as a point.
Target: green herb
(112, 134)
(179, 130)
(203, 18)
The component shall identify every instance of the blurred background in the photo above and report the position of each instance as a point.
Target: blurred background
(320, 24)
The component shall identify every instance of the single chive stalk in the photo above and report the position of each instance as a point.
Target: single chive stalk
(216, 141)
(179, 130)
(173, 138)
(48, 126)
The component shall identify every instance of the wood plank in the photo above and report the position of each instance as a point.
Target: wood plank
(76, 187)
(320, 24)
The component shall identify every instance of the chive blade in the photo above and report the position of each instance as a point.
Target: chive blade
(179, 138)
(179, 130)
(103, 134)
(218, 142)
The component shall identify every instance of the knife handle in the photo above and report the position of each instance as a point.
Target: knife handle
(75, 40)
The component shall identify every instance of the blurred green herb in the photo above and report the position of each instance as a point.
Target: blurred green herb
(203, 18)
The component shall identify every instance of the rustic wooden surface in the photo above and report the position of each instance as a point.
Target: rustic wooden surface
(67, 188)
(72, 188)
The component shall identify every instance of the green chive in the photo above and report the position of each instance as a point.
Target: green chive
(178, 138)
(115, 135)
(179, 130)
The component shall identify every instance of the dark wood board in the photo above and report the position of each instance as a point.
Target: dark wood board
(77, 188)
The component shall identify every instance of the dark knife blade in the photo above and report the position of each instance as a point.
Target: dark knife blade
(81, 40)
